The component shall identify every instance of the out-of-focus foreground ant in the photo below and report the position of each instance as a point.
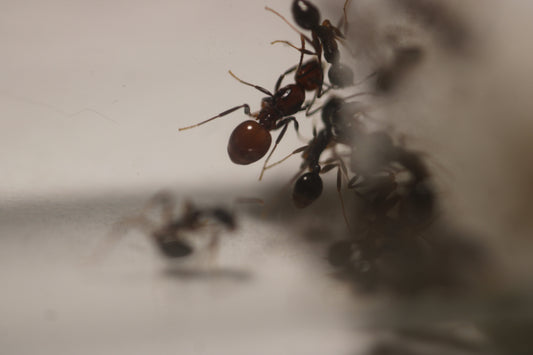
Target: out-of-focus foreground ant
(170, 234)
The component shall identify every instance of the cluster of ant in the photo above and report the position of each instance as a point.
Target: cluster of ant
(391, 184)
(395, 197)
(392, 198)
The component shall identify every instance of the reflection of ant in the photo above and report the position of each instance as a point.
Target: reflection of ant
(168, 235)
(251, 140)
(324, 40)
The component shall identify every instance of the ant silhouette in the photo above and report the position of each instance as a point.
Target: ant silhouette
(168, 234)
(324, 40)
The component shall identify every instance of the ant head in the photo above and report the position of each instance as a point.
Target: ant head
(307, 189)
(248, 143)
(305, 14)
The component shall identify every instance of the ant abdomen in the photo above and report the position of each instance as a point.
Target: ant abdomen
(171, 247)
(340, 75)
(307, 189)
(248, 143)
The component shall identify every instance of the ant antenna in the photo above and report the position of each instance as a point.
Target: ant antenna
(288, 23)
(246, 111)
(263, 90)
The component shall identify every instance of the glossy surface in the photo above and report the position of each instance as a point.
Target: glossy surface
(248, 143)
(305, 14)
(289, 99)
(307, 189)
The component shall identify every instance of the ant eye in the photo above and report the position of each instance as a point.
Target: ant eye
(307, 189)
(248, 143)
(305, 14)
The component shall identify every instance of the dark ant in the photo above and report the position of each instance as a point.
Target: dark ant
(251, 140)
(377, 154)
(168, 235)
(324, 40)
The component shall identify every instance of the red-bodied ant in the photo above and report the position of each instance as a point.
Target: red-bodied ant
(251, 140)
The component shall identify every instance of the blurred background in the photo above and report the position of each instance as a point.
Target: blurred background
(91, 98)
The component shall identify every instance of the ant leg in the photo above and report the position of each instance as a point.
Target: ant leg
(119, 230)
(344, 20)
(282, 76)
(295, 67)
(310, 104)
(302, 50)
(262, 89)
(285, 124)
(246, 111)
(290, 25)
(296, 151)
(339, 165)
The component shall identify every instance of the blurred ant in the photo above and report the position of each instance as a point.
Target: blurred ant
(414, 196)
(324, 40)
(403, 61)
(168, 234)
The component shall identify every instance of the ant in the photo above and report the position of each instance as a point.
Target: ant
(168, 235)
(251, 140)
(324, 40)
